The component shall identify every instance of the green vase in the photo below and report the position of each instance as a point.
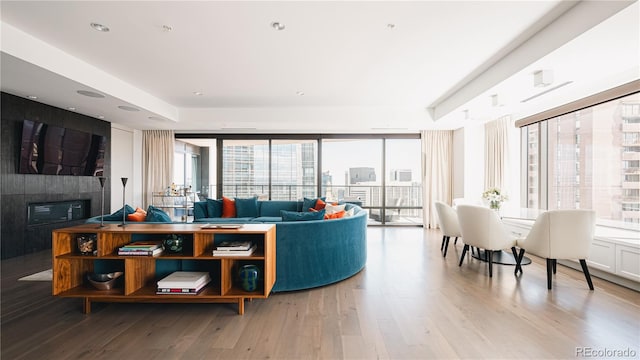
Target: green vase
(249, 277)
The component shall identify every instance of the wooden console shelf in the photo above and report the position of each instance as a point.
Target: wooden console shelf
(142, 272)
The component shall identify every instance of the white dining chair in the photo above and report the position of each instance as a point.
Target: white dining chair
(561, 234)
(481, 227)
(448, 221)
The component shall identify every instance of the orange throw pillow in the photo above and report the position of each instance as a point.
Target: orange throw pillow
(337, 215)
(228, 207)
(319, 205)
(139, 215)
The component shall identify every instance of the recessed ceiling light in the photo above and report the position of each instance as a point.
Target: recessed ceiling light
(300, 93)
(32, 97)
(128, 108)
(198, 93)
(167, 28)
(277, 25)
(100, 27)
(156, 118)
(90, 94)
(71, 108)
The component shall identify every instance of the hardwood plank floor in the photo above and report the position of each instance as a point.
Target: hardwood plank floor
(408, 303)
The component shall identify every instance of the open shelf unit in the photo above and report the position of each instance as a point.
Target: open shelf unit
(142, 272)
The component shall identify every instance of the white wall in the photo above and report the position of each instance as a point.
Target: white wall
(126, 161)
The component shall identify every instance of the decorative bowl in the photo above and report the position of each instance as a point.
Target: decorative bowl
(104, 281)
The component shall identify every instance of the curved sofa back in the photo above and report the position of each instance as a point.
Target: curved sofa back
(320, 252)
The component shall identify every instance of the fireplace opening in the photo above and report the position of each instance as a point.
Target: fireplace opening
(58, 211)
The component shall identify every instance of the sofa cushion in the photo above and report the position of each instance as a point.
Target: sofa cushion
(267, 219)
(118, 214)
(273, 207)
(332, 209)
(335, 215)
(247, 207)
(139, 215)
(200, 209)
(228, 207)
(156, 215)
(302, 215)
(214, 208)
(310, 203)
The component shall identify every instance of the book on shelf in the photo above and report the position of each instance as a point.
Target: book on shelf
(141, 245)
(140, 252)
(184, 280)
(180, 290)
(247, 252)
(235, 245)
(221, 226)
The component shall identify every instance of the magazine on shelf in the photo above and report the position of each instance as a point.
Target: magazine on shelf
(221, 226)
(153, 252)
(184, 280)
(247, 252)
(235, 245)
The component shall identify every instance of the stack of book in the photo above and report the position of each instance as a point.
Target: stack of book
(141, 248)
(183, 283)
(235, 248)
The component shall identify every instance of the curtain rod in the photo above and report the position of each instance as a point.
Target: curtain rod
(595, 99)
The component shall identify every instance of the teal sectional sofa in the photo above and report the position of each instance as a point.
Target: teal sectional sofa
(309, 253)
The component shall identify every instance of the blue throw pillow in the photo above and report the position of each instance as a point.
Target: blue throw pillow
(214, 208)
(156, 215)
(310, 203)
(200, 210)
(117, 216)
(301, 216)
(247, 207)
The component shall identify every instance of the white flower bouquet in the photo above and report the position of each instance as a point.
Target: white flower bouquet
(495, 197)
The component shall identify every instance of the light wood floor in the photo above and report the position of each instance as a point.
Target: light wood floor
(408, 303)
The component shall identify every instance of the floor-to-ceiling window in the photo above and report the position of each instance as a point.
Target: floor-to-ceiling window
(592, 161)
(245, 168)
(403, 184)
(294, 169)
(379, 172)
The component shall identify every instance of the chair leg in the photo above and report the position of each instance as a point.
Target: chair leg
(446, 246)
(444, 238)
(473, 251)
(518, 258)
(455, 242)
(464, 252)
(490, 261)
(549, 271)
(555, 264)
(585, 270)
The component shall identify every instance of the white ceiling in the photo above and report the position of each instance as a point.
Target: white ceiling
(358, 73)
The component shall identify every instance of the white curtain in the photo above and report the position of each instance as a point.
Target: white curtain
(157, 162)
(496, 152)
(437, 170)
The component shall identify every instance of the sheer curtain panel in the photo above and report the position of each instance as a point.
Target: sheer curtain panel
(496, 152)
(437, 170)
(157, 162)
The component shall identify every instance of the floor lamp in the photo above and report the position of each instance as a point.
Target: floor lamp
(124, 210)
(102, 182)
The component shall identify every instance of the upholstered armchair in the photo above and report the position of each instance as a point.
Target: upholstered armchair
(448, 221)
(481, 227)
(561, 234)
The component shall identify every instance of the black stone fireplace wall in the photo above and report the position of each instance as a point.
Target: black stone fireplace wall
(19, 190)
